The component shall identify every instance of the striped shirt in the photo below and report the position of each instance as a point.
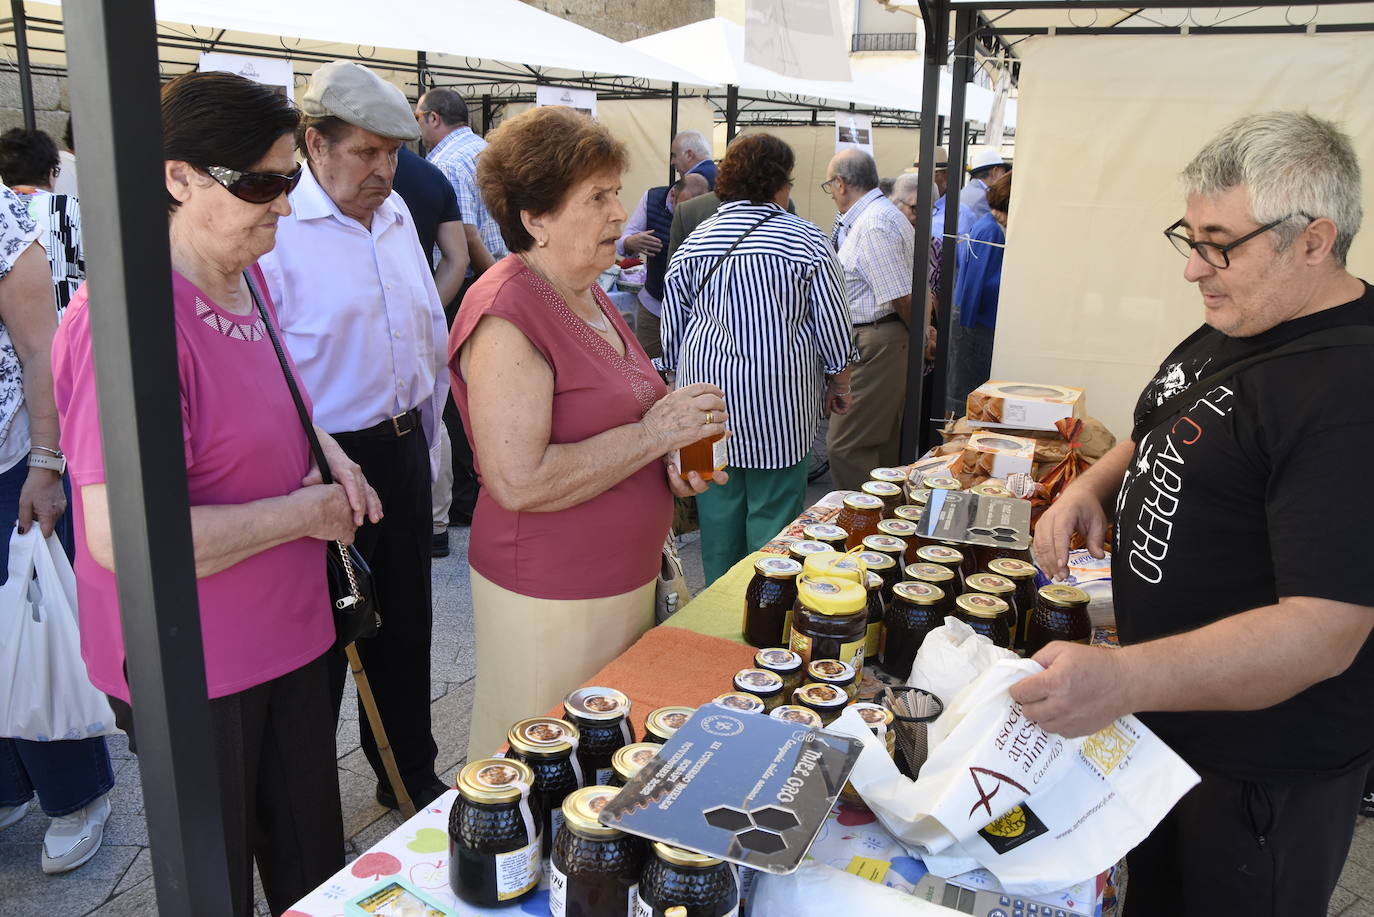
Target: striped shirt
(59, 227)
(768, 327)
(456, 156)
(876, 250)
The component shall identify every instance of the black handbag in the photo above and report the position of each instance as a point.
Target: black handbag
(351, 592)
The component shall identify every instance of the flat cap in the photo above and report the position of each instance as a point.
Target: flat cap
(355, 94)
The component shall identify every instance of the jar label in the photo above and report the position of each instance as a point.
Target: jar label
(603, 776)
(875, 633)
(718, 454)
(517, 871)
(642, 908)
(801, 645)
(632, 901)
(555, 821)
(558, 891)
(787, 629)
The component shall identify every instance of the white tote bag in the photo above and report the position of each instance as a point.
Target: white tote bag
(45, 693)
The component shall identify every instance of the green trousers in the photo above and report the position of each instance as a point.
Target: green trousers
(747, 513)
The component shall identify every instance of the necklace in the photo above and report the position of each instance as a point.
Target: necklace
(602, 326)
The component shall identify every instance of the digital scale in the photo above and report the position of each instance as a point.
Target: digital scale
(985, 903)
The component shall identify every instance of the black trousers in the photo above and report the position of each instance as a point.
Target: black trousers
(1246, 847)
(279, 785)
(464, 467)
(397, 549)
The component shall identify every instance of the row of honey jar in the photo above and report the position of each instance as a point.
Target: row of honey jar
(888, 504)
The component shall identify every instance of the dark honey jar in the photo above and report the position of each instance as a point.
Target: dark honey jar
(877, 609)
(891, 495)
(801, 550)
(675, 878)
(887, 566)
(827, 534)
(664, 722)
(831, 621)
(1061, 613)
(602, 716)
(986, 614)
(890, 475)
(860, 517)
(936, 575)
(493, 834)
(595, 870)
(905, 530)
(547, 746)
(916, 610)
(768, 598)
(1022, 576)
(630, 760)
(894, 548)
(1004, 589)
(945, 556)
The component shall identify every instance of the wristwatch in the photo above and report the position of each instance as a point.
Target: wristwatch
(52, 462)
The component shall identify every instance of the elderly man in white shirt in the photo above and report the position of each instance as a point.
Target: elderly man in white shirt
(363, 320)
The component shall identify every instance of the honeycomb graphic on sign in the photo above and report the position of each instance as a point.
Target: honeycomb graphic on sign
(758, 829)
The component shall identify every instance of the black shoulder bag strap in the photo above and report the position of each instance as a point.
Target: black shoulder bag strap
(1325, 339)
(734, 245)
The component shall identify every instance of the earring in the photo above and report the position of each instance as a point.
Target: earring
(541, 242)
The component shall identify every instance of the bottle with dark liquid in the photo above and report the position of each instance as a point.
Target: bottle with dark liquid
(768, 598)
(986, 614)
(602, 716)
(546, 745)
(675, 879)
(595, 869)
(1061, 613)
(916, 610)
(493, 834)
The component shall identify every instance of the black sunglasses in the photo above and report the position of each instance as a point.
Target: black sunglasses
(1218, 256)
(255, 187)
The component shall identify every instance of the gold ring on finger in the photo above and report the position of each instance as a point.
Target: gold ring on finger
(710, 418)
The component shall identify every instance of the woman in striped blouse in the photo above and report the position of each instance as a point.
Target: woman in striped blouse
(30, 165)
(754, 304)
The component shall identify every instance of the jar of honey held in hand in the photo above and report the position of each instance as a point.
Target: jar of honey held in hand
(705, 456)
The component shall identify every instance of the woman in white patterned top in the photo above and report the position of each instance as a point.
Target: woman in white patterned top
(29, 164)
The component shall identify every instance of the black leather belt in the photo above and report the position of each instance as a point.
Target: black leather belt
(889, 317)
(391, 428)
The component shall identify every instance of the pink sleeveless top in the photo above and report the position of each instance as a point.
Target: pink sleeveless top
(610, 544)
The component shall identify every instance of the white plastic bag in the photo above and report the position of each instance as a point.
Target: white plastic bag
(1038, 811)
(949, 659)
(818, 890)
(45, 693)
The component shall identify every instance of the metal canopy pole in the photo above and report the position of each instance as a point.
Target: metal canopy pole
(114, 85)
(21, 53)
(935, 13)
(672, 129)
(731, 112)
(964, 24)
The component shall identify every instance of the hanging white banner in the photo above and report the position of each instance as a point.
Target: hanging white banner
(265, 70)
(853, 131)
(583, 100)
(797, 38)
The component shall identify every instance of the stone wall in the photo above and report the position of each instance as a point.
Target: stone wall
(50, 102)
(625, 20)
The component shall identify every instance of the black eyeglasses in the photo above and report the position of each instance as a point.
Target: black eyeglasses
(825, 185)
(1219, 256)
(255, 187)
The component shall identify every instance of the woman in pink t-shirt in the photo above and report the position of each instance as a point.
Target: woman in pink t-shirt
(571, 427)
(259, 515)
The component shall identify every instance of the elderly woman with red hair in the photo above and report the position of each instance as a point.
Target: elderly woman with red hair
(571, 427)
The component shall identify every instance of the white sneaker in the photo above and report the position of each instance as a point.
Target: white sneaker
(10, 815)
(73, 839)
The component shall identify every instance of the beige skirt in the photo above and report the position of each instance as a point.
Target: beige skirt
(532, 652)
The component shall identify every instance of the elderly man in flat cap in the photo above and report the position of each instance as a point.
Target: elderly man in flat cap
(364, 323)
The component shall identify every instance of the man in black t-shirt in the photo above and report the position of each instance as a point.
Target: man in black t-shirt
(1239, 562)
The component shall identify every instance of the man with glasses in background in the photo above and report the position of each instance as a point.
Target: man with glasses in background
(1240, 586)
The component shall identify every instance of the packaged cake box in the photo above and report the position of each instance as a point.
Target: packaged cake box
(1022, 405)
(997, 455)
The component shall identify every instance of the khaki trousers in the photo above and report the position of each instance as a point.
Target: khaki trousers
(532, 652)
(869, 436)
(647, 326)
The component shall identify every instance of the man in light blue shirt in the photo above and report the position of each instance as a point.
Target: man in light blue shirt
(987, 166)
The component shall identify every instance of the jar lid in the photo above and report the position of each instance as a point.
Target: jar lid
(940, 554)
(665, 721)
(494, 780)
(881, 489)
(875, 715)
(680, 857)
(873, 580)
(919, 593)
(941, 482)
(920, 496)
(582, 810)
(990, 583)
(1063, 595)
(828, 595)
(832, 563)
(793, 713)
(738, 700)
(824, 531)
(806, 547)
(1012, 568)
(989, 489)
(876, 560)
(818, 694)
(830, 671)
(629, 760)
(777, 567)
(758, 681)
(890, 475)
(899, 528)
(597, 704)
(908, 512)
(863, 502)
(928, 572)
(544, 736)
(885, 544)
(981, 605)
(778, 659)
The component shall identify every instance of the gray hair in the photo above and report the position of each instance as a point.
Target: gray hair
(906, 183)
(447, 104)
(857, 168)
(693, 142)
(1291, 163)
